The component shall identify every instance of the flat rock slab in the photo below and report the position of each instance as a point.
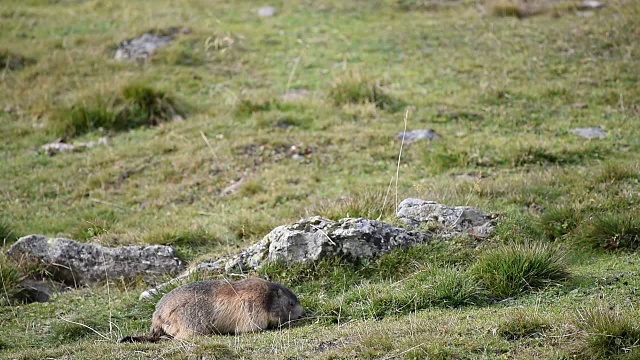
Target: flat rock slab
(76, 264)
(316, 238)
(590, 133)
(267, 11)
(415, 135)
(143, 46)
(453, 220)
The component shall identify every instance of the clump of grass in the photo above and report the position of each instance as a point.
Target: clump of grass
(512, 269)
(7, 234)
(248, 106)
(13, 61)
(612, 231)
(606, 333)
(355, 88)
(522, 325)
(180, 236)
(517, 227)
(135, 106)
(615, 171)
(366, 204)
(10, 279)
(516, 8)
(558, 221)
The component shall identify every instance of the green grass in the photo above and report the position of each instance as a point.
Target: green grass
(511, 269)
(608, 334)
(502, 92)
(612, 231)
(135, 106)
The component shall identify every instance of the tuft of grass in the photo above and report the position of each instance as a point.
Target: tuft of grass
(12, 61)
(7, 234)
(368, 204)
(249, 106)
(607, 334)
(615, 171)
(512, 269)
(355, 88)
(612, 231)
(522, 325)
(135, 106)
(558, 221)
(10, 279)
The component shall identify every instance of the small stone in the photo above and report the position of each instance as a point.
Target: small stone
(590, 5)
(415, 135)
(267, 11)
(142, 47)
(590, 133)
(294, 95)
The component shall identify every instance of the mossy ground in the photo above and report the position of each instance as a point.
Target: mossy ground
(502, 92)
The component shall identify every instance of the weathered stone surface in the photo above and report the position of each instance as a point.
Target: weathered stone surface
(61, 146)
(36, 291)
(452, 219)
(315, 238)
(590, 133)
(216, 266)
(267, 11)
(143, 46)
(77, 264)
(415, 135)
(590, 5)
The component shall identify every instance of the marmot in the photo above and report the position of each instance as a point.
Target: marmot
(221, 307)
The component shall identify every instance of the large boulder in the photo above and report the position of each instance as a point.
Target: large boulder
(315, 238)
(452, 220)
(77, 264)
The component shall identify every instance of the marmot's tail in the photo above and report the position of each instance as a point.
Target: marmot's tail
(155, 336)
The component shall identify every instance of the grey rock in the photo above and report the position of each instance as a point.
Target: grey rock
(316, 238)
(453, 220)
(590, 5)
(76, 264)
(216, 266)
(267, 11)
(590, 133)
(415, 135)
(37, 291)
(143, 46)
(61, 146)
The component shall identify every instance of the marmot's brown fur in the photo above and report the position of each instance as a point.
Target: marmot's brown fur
(221, 307)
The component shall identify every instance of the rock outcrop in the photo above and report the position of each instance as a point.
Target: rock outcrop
(76, 264)
(450, 220)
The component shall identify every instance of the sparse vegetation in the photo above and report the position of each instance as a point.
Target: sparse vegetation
(522, 325)
(511, 269)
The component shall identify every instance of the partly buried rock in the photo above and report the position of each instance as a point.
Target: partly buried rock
(415, 135)
(60, 145)
(453, 219)
(77, 264)
(143, 46)
(590, 133)
(315, 238)
(36, 291)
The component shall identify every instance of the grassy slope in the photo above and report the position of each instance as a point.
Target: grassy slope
(502, 92)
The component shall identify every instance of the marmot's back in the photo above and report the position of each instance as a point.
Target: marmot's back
(223, 307)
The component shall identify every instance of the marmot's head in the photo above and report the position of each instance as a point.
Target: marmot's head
(283, 305)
